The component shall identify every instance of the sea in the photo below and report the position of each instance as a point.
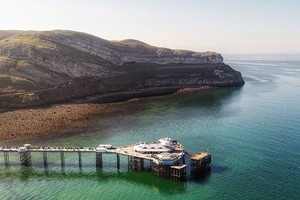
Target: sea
(252, 133)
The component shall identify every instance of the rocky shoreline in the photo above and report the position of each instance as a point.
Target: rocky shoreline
(29, 123)
(44, 121)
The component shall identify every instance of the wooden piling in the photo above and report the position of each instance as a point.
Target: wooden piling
(130, 163)
(161, 170)
(118, 161)
(45, 156)
(62, 158)
(99, 163)
(136, 163)
(140, 163)
(79, 159)
(178, 172)
(25, 159)
(6, 159)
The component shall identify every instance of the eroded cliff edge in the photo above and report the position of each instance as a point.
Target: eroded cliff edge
(50, 66)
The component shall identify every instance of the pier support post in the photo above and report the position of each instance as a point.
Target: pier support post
(128, 162)
(140, 163)
(6, 159)
(118, 161)
(62, 158)
(45, 160)
(178, 172)
(200, 163)
(79, 159)
(135, 163)
(25, 159)
(161, 170)
(99, 163)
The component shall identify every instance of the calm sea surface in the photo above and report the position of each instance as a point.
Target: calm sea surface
(252, 132)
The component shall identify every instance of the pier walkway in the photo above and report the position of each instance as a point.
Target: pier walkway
(166, 156)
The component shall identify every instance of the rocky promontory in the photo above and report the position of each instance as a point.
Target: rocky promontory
(40, 67)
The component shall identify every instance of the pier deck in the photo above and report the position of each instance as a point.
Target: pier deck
(166, 156)
(199, 156)
(49, 149)
(126, 151)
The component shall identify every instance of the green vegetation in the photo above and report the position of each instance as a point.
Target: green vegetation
(22, 63)
(133, 44)
(15, 79)
(6, 63)
(59, 32)
(18, 83)
(9, 65)
(206, 53)
(4, 59)
(29, 98)
(29, 40)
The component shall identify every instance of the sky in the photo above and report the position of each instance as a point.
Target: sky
(224, 26)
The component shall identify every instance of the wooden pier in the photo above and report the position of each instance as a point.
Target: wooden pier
(166, 156)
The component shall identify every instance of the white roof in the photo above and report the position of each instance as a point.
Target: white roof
(151, 147)
(166, 139)
(163, 145)
(167, 156)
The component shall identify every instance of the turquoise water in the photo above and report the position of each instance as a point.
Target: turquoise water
(253, 134)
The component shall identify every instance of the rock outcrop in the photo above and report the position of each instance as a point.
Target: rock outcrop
(51, 66)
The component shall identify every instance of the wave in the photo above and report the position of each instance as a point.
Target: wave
(250, 78)
(262, 57)
(254, 64)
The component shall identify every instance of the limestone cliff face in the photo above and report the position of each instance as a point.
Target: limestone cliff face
(42, 67)
(125, 51)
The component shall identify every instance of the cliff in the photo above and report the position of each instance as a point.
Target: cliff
(51, 66)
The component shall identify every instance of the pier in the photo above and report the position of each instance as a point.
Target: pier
(167, 157)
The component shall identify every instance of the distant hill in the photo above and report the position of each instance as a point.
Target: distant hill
(38, 67)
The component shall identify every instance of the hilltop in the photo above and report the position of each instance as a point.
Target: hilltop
(40, 67)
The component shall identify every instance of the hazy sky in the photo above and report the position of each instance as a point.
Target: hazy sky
(225, 26)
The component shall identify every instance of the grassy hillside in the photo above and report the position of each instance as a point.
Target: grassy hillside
(50, 66)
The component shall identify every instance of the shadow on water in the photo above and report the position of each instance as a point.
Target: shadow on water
(215, 169)
(150, 108)
(88, 172)
(147, 179)
(28, 174)
(212, 98)
(200, 177)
